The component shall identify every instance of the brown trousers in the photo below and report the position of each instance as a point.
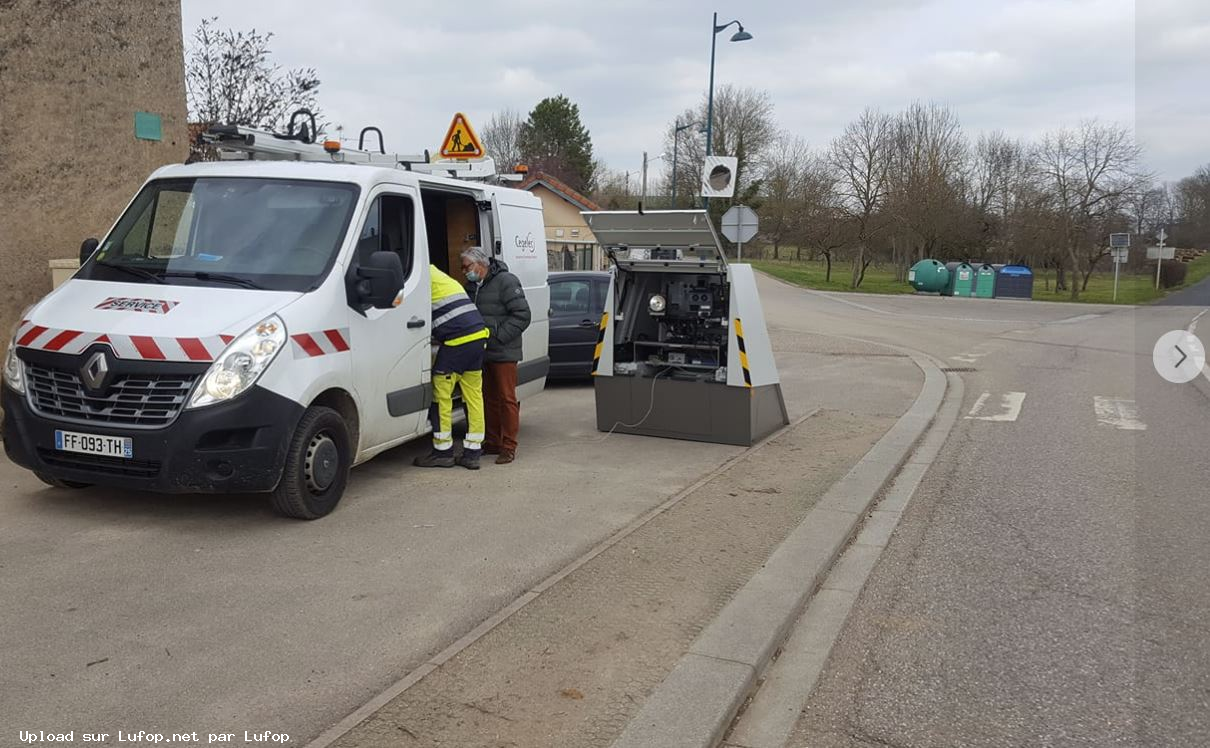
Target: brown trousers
(501, 405)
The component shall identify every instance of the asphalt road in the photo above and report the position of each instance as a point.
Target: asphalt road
(1047, 583)
(1198, 295)
(127, 611)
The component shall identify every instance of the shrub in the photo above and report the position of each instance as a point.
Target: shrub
(1173, 274)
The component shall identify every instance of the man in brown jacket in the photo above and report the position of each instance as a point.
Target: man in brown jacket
(501, 301)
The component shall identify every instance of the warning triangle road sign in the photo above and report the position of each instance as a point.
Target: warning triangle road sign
(460, 140)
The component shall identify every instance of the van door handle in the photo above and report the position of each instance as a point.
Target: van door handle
(588, 323)
(415, 322)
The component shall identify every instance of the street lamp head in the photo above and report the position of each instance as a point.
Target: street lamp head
(741, 35)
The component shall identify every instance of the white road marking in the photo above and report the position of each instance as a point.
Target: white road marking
(1192, 329)
(1121, 413)
(1010, 407)
(979, 403)
(1080, 318)
(969, 358)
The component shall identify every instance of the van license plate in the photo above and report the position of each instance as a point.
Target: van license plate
(94, 444)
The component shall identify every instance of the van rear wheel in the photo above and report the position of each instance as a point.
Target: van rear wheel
(317, 466)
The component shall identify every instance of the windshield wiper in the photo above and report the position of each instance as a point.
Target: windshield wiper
(234, 280)
(140, 272)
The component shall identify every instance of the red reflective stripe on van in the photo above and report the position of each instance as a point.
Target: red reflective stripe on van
(32, 335)
(308, 344)
(337, 340)
(62, 339)
(227, 339)
(194, 349)
(146, 347)
(102, 339)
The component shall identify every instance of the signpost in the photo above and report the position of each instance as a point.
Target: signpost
(1119, 248)
(740, 224)
(1159, 254)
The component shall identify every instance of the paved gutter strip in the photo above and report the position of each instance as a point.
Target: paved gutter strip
(696, 703)
(773, 713)
(337, 731)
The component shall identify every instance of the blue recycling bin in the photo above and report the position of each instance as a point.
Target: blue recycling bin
(1014, 282)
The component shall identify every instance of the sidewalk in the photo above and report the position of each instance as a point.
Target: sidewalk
(576, 658)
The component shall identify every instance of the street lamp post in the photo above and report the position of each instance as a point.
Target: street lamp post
(643, 194)
(738, 36)
(676, 139)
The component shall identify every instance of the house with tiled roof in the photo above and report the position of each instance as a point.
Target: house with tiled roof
(570, 244)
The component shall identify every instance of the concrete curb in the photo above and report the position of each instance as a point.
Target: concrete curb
(771, 716)
(697, 701)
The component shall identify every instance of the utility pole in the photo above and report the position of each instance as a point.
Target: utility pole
(643, 194)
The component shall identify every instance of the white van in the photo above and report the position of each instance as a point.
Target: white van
(257, 326)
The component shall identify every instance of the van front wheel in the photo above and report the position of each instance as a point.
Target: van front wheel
(317, 466)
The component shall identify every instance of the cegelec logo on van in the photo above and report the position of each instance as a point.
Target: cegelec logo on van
(527, 246)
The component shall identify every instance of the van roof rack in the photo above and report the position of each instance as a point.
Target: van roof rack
(241, 143)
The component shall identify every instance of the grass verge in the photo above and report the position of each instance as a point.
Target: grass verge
(1132, 288)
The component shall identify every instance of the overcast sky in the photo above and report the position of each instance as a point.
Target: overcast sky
(1022, 66)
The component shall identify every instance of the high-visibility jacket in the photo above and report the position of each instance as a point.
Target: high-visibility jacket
(456, 320)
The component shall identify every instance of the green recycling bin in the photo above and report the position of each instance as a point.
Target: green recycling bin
(985, 281)
(962, 280)
(929, 276)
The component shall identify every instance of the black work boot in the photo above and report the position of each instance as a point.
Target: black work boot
(470, 459)
(436, 459)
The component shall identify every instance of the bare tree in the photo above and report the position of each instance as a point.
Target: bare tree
(928, 164)
(615, 190)
(743, 127)
(820, 224)
(1088, 173)
(501, 138)
(1190, 209)
(230, 78)
(1147, 207)
(861, 157)
(782, 187)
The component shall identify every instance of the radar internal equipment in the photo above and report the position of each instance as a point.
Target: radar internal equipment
(684, 351)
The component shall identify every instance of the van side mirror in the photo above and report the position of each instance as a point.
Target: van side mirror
(87, 248)
(380, 279)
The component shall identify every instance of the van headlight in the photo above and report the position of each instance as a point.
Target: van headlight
(14, 370)
(241, 364)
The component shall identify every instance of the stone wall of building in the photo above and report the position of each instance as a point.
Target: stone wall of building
(73, 74)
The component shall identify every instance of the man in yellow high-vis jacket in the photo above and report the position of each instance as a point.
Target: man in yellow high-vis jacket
(461, 335)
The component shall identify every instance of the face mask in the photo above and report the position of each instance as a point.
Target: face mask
(472, 276)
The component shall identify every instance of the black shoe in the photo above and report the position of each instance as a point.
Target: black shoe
(469, 460)
(435, 459)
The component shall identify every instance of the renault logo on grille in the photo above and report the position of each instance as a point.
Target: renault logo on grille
(94, 372)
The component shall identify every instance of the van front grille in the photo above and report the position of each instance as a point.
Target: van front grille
(131, 400)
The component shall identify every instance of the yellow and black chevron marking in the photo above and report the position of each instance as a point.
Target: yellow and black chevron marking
(596, 354)
(743, 352)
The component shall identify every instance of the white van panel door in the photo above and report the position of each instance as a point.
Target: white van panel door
(391, 368)
(523, 249)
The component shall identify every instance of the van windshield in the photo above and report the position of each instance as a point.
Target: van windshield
(238, 232)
